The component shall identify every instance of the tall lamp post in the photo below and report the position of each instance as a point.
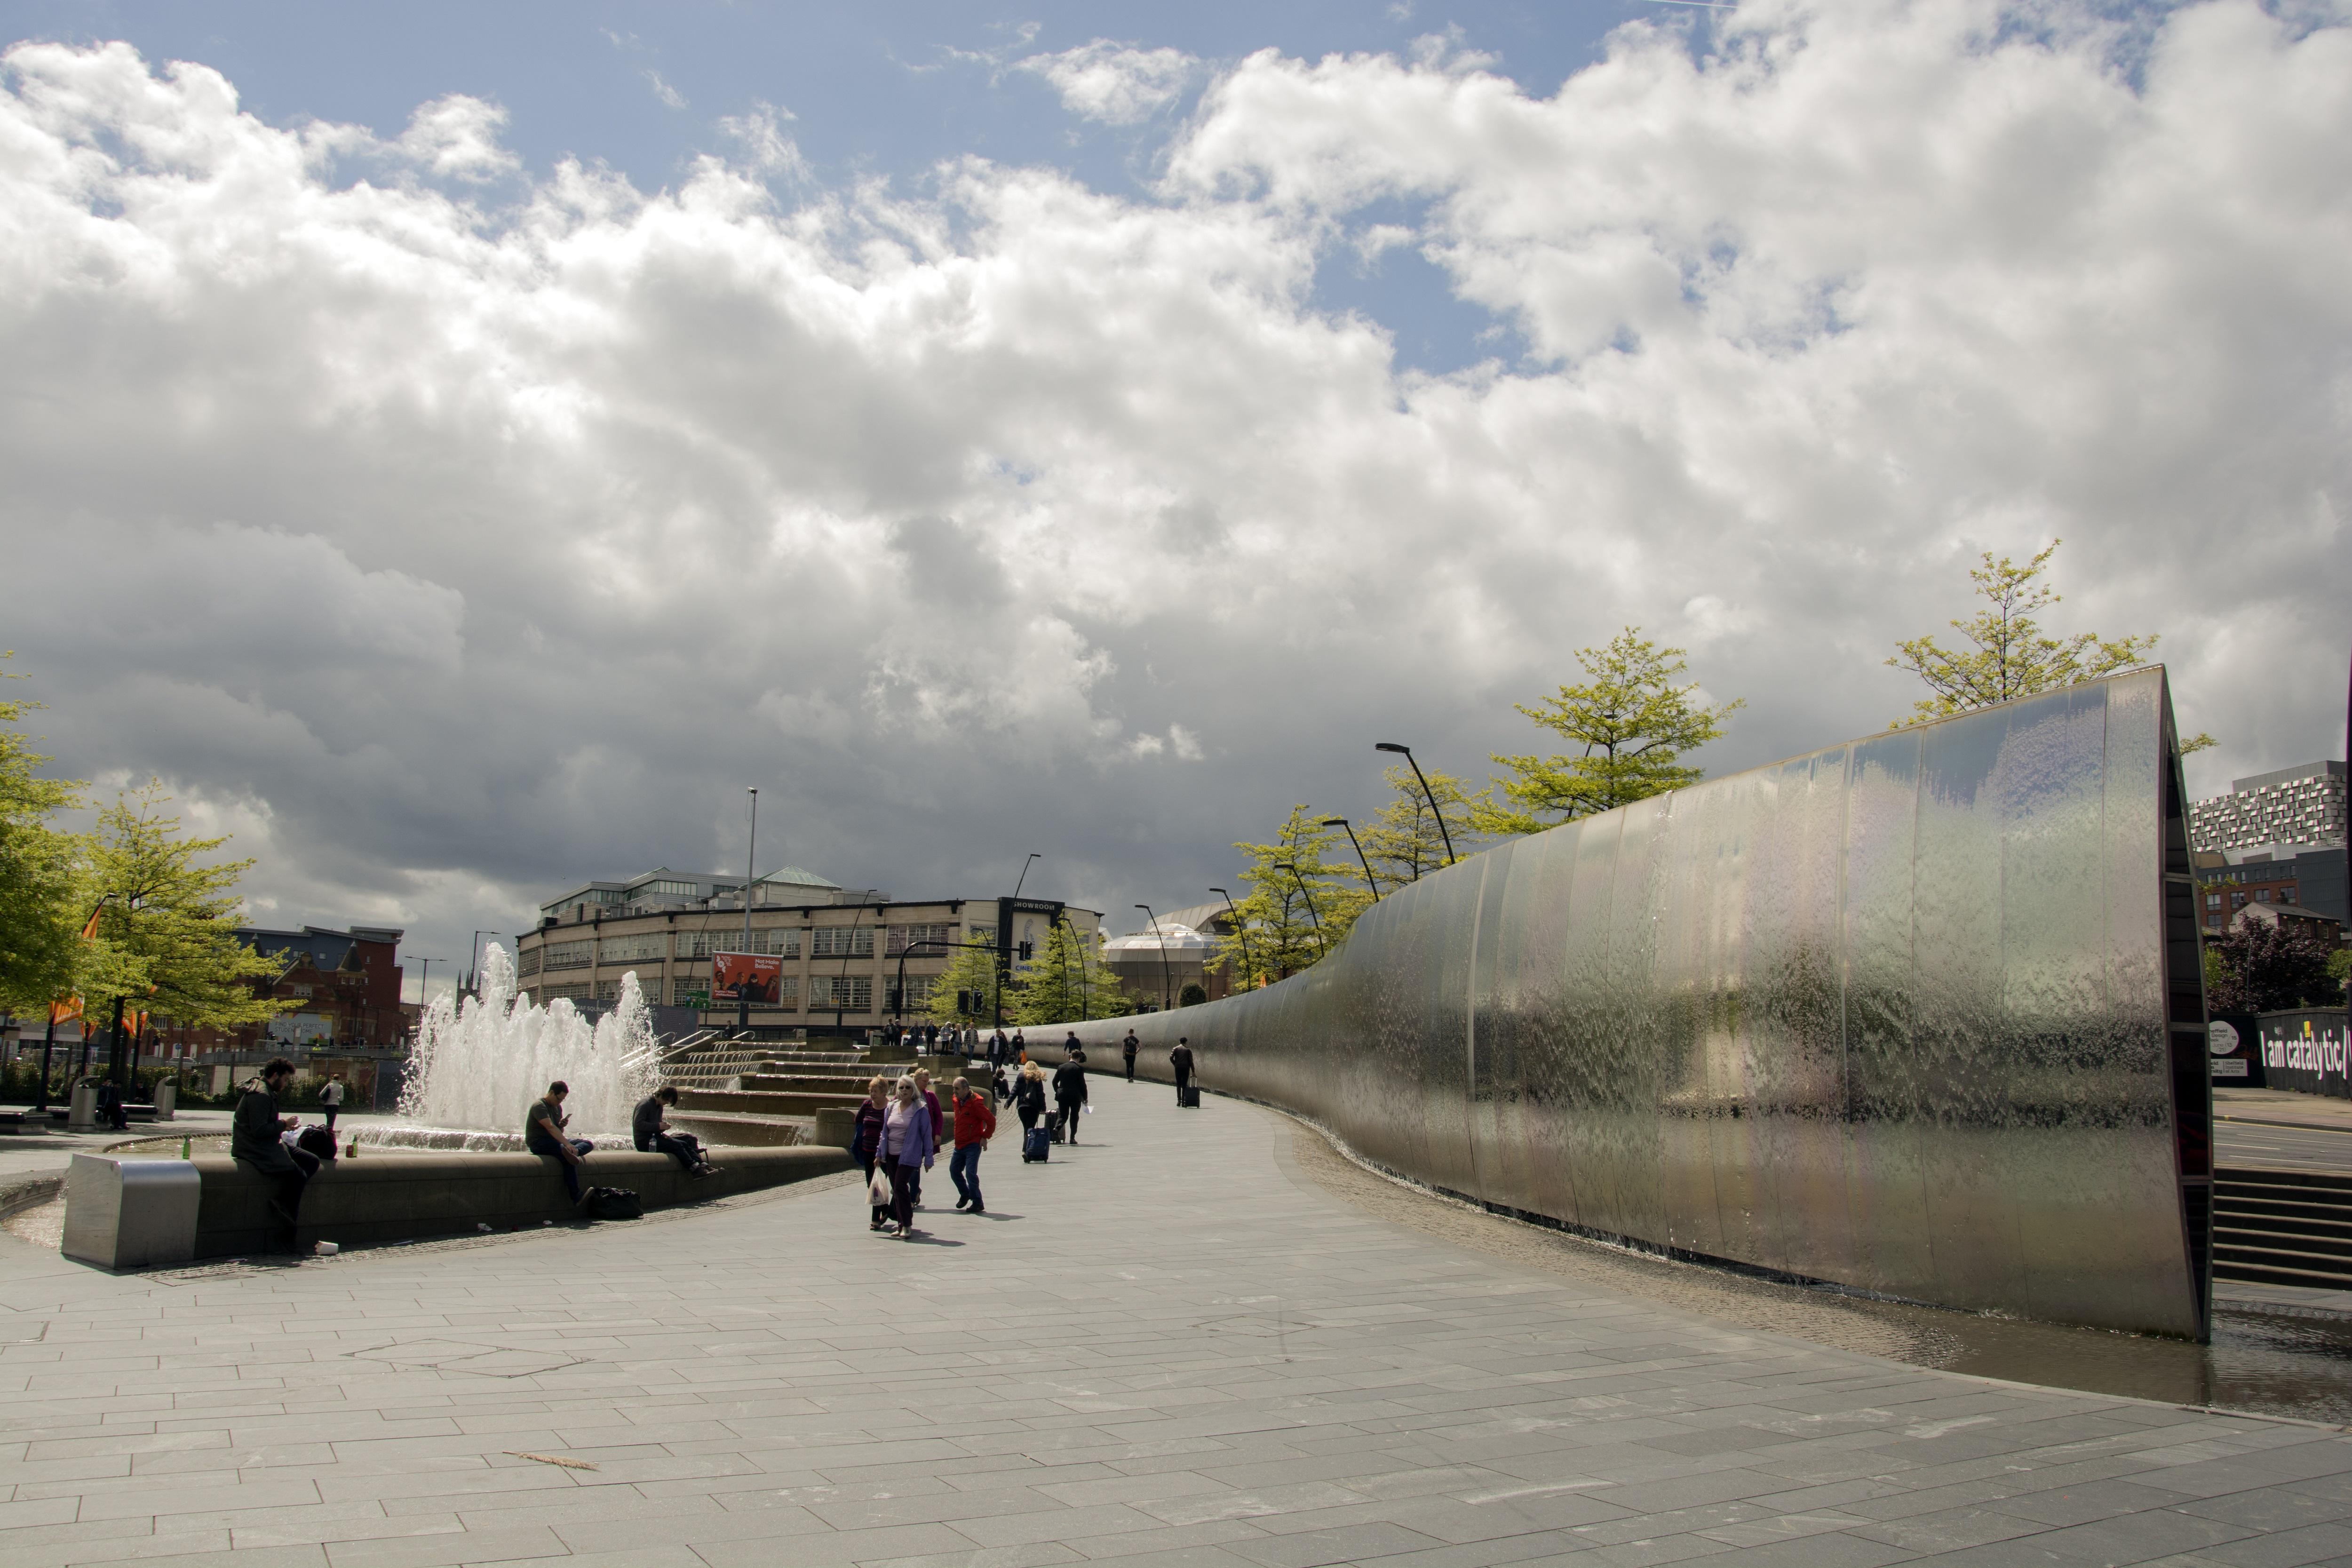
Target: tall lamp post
(1369, 880)
(1166, 1003)
(1308, 895)
(1241, 926)
(1004, 936)
(474, 959)
(750, 852)
(1406, 752)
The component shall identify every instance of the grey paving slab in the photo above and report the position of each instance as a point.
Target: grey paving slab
(1171, 1347)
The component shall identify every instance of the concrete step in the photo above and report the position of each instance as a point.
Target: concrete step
(749, 1103)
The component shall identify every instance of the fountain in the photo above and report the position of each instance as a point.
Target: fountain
(477, 1069)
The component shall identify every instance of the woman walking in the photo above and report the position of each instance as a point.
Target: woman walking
(1029, 1096)
(907, 1148)
(866, 1145)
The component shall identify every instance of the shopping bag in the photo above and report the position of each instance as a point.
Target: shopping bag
(877, 1191)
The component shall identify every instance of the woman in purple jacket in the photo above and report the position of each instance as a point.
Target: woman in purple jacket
(907, 1147)
(865, 1143)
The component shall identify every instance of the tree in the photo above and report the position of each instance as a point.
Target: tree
(971, 975)
(2013, 656)
(1066, 983)
(167, 933)
(1634, 723)
(1404, 840)
(41, 899)
(1289, 926)
(2264, 966)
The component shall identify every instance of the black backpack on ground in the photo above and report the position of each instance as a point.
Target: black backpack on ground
(614, 1203)
(317, 1141)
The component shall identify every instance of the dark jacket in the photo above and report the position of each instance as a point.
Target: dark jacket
(1126, 1048)
(644, 1121)
(253, 1134)
(931, 1097)
(869, 1131)
(1029, 1094)
(1070, 1084)
(1181, 1059)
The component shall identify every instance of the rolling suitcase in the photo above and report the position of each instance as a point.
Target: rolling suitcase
(1189, 1097)
(1032, 1144)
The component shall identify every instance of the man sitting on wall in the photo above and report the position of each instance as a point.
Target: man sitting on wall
(542, 1134)
(650, 1129)
(257, 1136)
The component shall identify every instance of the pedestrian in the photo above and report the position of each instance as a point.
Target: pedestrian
(1070, 1094)
(331, 1098)
(938, 1121)
(1029, 1094)
(1074, 1046)
(1127, 1049)
(257, 1137)
(906, 1149)
(865, 1138)
(975, 1124)
(1181, 1060)
(542, 1134)
(1020, 1046)
(109, 1107)
(649, 1131)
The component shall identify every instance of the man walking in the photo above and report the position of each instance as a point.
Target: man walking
(542, 1134)
(1181, 1061)
(255, 1137)
(1127, 1049)
(331, 1098)
(1070, 1095)
(975, 1124)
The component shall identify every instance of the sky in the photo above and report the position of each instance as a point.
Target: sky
(457, 450)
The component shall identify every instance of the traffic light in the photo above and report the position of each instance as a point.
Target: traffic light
(1027, 950)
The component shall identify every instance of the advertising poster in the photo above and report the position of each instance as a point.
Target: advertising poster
(751, 977)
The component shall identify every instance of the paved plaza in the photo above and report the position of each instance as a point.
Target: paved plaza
(1170, 1345)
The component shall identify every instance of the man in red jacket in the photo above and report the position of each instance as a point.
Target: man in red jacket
(975, 1124)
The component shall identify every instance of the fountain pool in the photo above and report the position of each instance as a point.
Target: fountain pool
(477, 1069)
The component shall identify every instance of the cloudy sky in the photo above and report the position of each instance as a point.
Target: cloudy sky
(458, 448)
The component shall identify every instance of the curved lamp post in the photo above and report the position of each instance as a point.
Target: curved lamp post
(1241, 926)
(1004, 939)
(1166, 1006)
(1369, 880)
(1406, 752)
(1308, 895)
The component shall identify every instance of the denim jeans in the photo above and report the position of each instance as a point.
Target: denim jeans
(963, 1169)
(580, 1146)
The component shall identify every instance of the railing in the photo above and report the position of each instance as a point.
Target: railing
(708, 1059)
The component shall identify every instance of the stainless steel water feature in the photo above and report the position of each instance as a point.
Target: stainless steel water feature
(1920, 1015)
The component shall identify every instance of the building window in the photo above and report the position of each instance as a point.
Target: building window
(662, 885)
(690, 991)
(526, 963)
(555, 992)
(906, 936)
(918, 998)
(568, 955)
(841, 993)
(841, 942)
(784, 942)
(653, 945)
(2212, 901)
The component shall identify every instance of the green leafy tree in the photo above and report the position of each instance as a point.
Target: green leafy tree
(1291, 921)
(2012, 655)
(167, 936)
(2263, 966)
(1066, 983)
(970, 974)
(1403, 841)
(42, 906)
(1633, 721)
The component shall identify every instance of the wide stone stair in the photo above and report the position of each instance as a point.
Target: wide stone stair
(2283, 1228)
(805, 1094)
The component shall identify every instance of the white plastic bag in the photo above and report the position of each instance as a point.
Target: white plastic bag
(877, 1191)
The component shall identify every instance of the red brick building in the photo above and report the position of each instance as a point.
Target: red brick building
(345, 986)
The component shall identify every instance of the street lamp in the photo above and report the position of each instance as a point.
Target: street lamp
(743, 989)
(1004, 936)
(473, 958)
(423, 969)
(1166, 1003)
(1241, 926)
(1406, 752)
(1369, 880)
(1306, 893)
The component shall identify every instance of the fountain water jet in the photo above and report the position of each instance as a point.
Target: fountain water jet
(481, 1065)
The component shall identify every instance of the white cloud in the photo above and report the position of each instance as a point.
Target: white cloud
(766, 148)
(464, 553)
(1117, 84)
(670, 97)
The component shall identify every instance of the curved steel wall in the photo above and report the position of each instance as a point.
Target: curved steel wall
(1898, 1014)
